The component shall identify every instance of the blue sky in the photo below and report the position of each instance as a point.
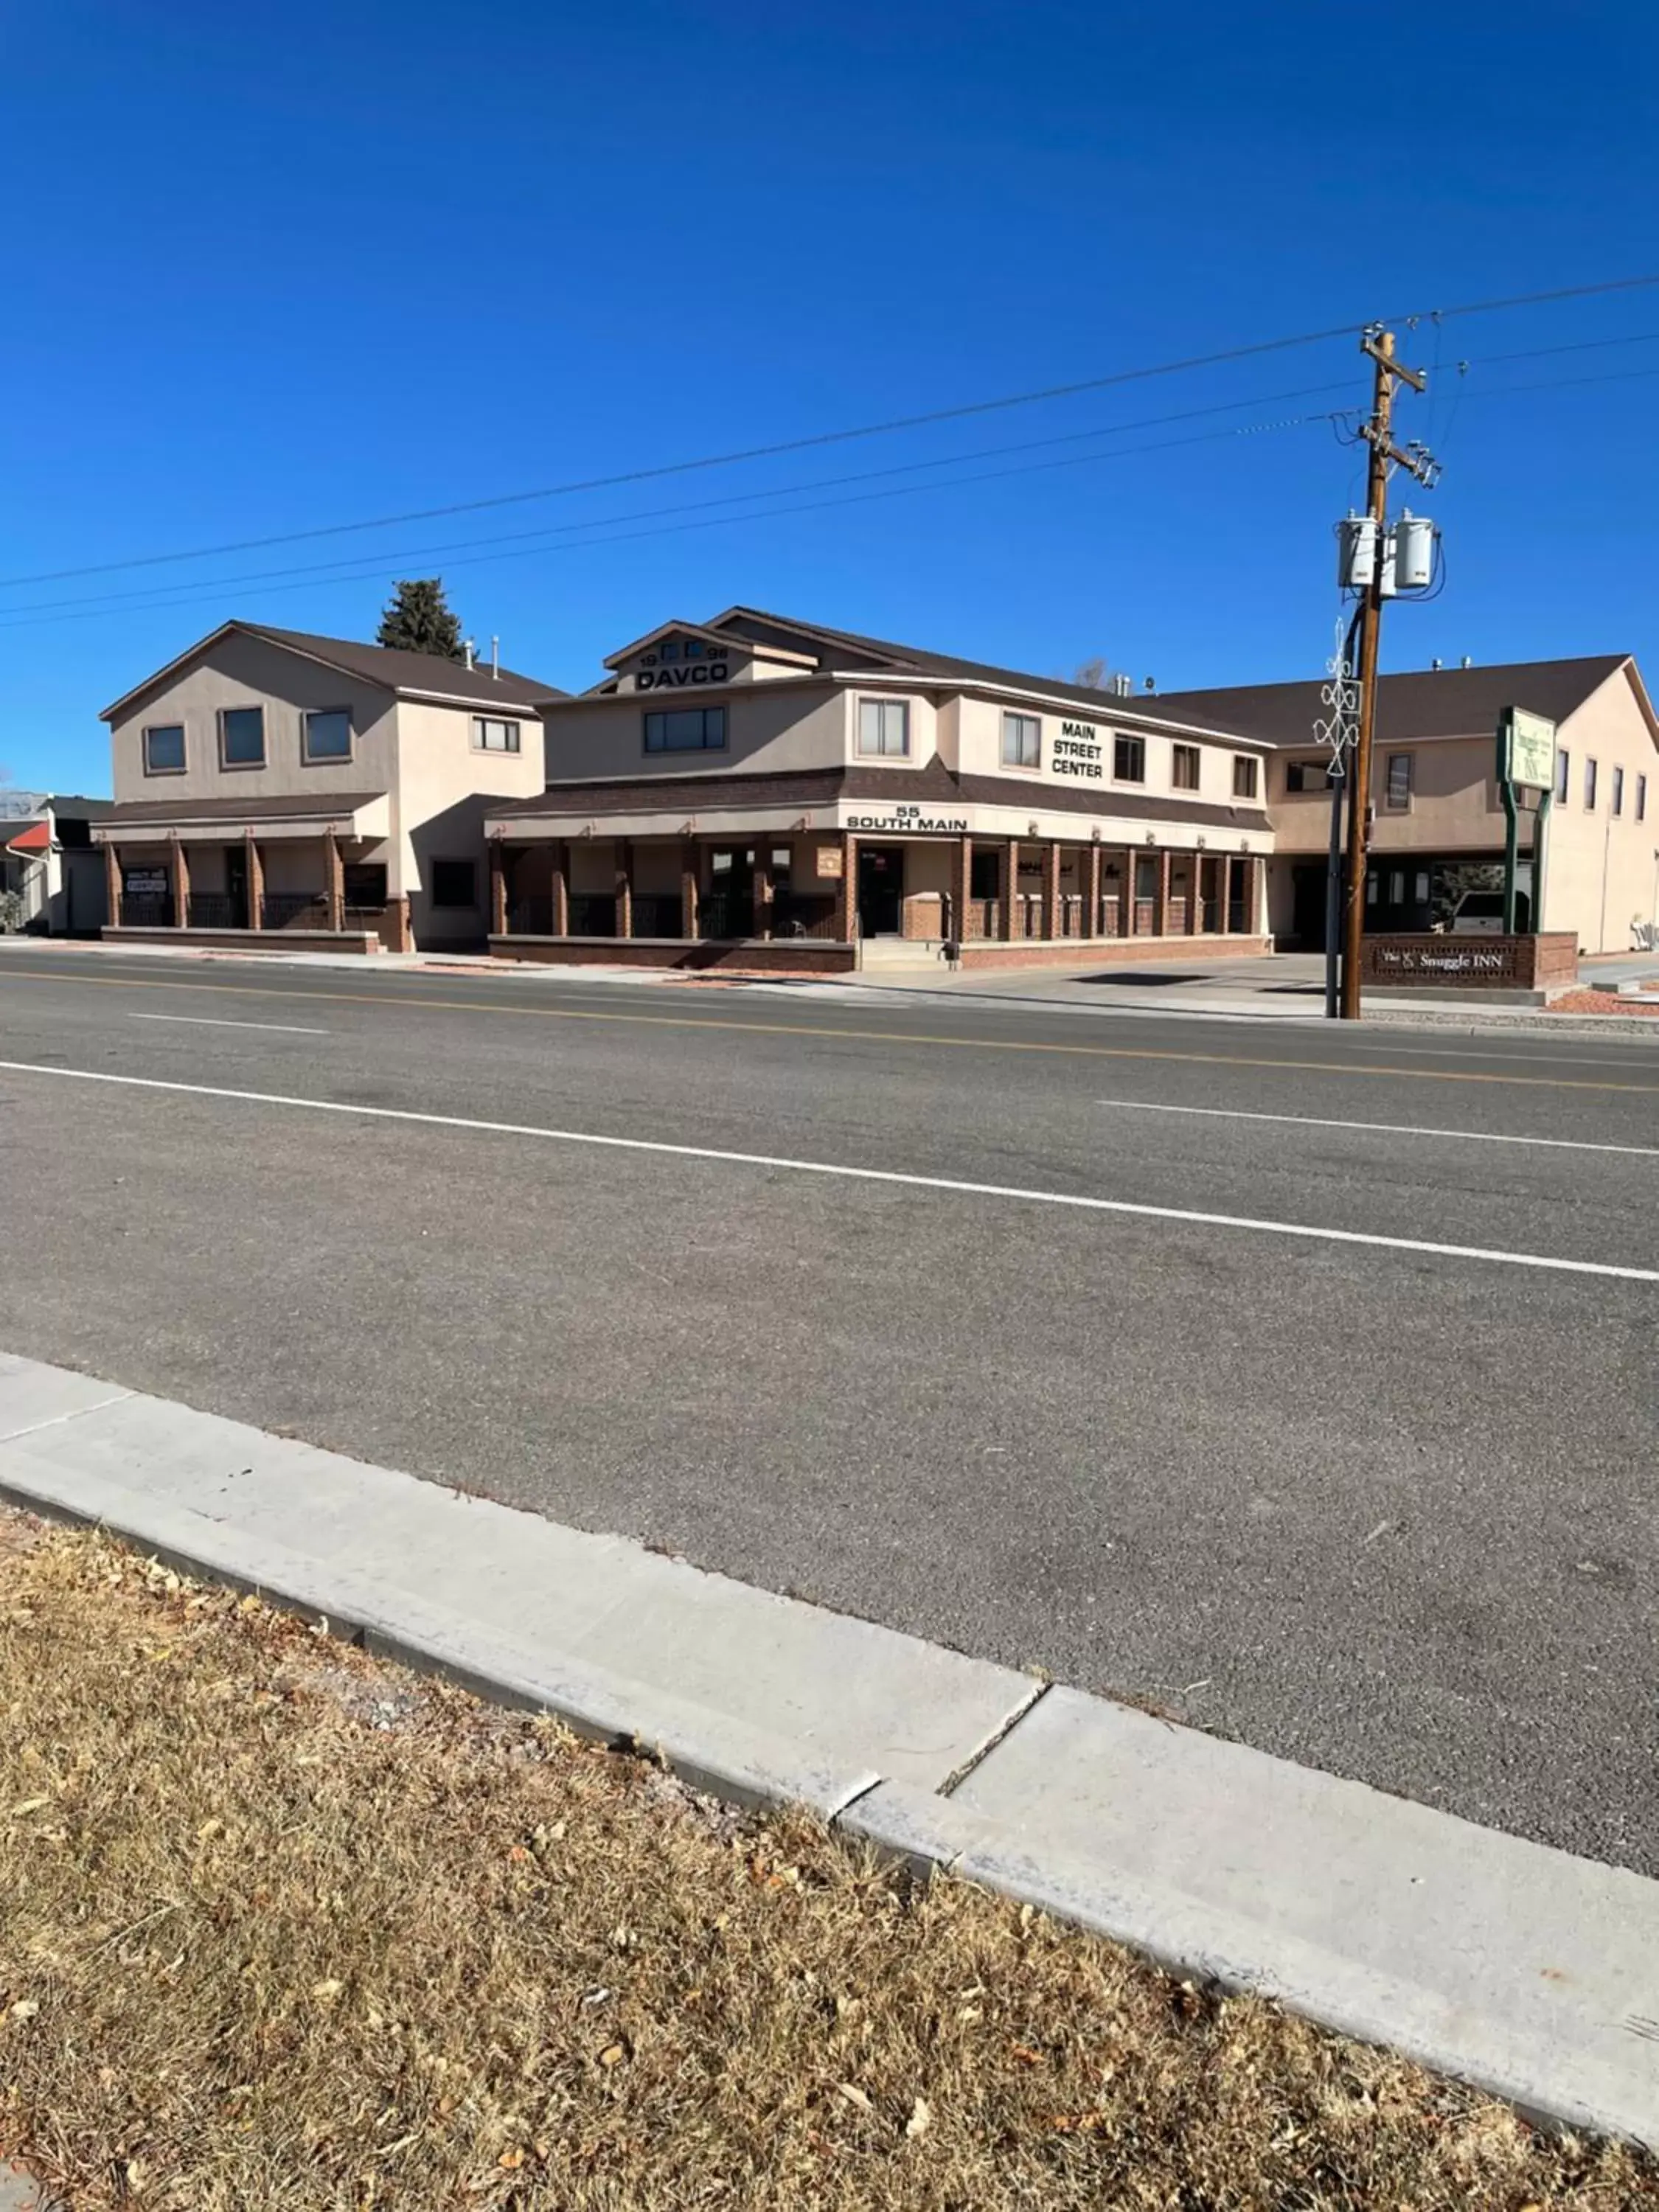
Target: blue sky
(274, 269)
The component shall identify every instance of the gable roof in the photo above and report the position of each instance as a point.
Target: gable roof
(26, 837)
(1424, 703)
(406, 675)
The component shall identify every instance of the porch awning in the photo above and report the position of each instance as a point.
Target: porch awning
(349, 814)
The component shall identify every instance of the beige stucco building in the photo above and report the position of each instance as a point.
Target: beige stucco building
(758, 782)
(1438, 825)
(269, 780)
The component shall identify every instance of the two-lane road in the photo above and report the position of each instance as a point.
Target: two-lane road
(1300, 1381)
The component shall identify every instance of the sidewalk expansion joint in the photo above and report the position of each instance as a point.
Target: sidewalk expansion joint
(57, 1420)
(999, 1734)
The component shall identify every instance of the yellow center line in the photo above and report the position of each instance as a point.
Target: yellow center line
(815, 1030)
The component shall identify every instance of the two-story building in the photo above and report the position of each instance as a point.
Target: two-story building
(1438, 825)
(768, 791)
(268, 780)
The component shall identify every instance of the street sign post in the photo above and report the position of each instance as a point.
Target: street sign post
(1526, 761)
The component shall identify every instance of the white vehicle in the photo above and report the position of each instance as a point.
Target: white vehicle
(1480, 914)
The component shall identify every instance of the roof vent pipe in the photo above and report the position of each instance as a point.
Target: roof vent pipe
(1466, 662)
(495, 659)
(466, 650)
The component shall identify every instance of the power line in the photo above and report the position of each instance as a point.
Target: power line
(367, 567)
(731, 499)
(822, 438)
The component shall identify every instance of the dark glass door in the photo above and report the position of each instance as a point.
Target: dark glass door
(236, 887)
(881, 890)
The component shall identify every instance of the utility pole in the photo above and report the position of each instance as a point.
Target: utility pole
(1378, 433)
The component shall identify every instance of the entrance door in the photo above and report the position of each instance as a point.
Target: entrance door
(1308, 907)
(881, 889)
(236, 887)
(727, 906)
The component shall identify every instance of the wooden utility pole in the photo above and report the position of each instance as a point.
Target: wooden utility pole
(1379, 434)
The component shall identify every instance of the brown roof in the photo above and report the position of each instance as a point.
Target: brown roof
(805, 788)
(394, 671)
(1428, 702)
(301, 806)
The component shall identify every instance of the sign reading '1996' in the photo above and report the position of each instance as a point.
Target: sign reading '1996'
(1078, 751)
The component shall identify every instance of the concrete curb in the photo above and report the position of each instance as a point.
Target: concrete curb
(1528, 1972)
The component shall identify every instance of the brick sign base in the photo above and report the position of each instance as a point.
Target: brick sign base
(1435, 962)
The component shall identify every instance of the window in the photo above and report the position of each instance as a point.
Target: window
(1563, 774)
(1371, 888)
(1420, 892)
(1307, 775)
(1022, 741)
(1186, 767)
(242, 737)
(686, 730)
(325, 735)
(884, 726)
(1129, 760)
(1641, 799)
(454, 883)
(164, 750)
(1618, 791)
(984, 875)
(1397, 887)
(1244, 776)
(1589, 785)
(364, 883)
(490, 735)
(1398, 790)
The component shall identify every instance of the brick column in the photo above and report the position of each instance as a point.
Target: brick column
(623, 925)
(846, 890)
(1131, 916)
(1051, 891)
(762, 882)
(1091, 893)
(1161, 897)
(334, 878)
(558, 884)
(962, 889)
(1224, 894)
(255, 881)
(1010, 885)
(497, 888)
(112, 884)
(689, 888)
(179, 875)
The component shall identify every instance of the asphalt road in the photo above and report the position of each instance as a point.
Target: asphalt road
(1380, 1497)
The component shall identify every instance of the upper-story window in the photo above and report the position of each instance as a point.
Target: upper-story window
(242, 737)
(1641, 799)
(1307, 775)
(686, 730)
(1617, 790)
(1589, 785)
(1186, 759)
(325, 734)
(492, 735)
(884, 726)
(1398, 789)
(164, 750)
(1129, 760)
(1563, 774)
(1022, 741)
(1245, 776)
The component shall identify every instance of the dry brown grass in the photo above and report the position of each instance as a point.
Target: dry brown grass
(283, 1928)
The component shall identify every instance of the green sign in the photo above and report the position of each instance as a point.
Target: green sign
(1526, 748)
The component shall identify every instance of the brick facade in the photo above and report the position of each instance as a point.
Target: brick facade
(1443, 961)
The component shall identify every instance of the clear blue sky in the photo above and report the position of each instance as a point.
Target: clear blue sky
(268, 269)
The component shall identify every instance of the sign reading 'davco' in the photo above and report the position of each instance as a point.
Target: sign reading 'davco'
(1526, 748)
(1077, 751)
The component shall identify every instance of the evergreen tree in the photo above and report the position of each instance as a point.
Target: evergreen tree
(419, 619)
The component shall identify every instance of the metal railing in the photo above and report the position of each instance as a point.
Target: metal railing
(217, 910)
(144, 911)
(726, 914)
(592, 914)
(656, 914)
(294, 910)
(530, 917)
(803, 914)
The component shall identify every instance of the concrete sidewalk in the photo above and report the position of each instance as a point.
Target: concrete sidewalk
(1528, 1972)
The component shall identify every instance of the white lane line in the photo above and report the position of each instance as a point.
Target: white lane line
(854, 1174)
(209, 1022)
(1380, 1128)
